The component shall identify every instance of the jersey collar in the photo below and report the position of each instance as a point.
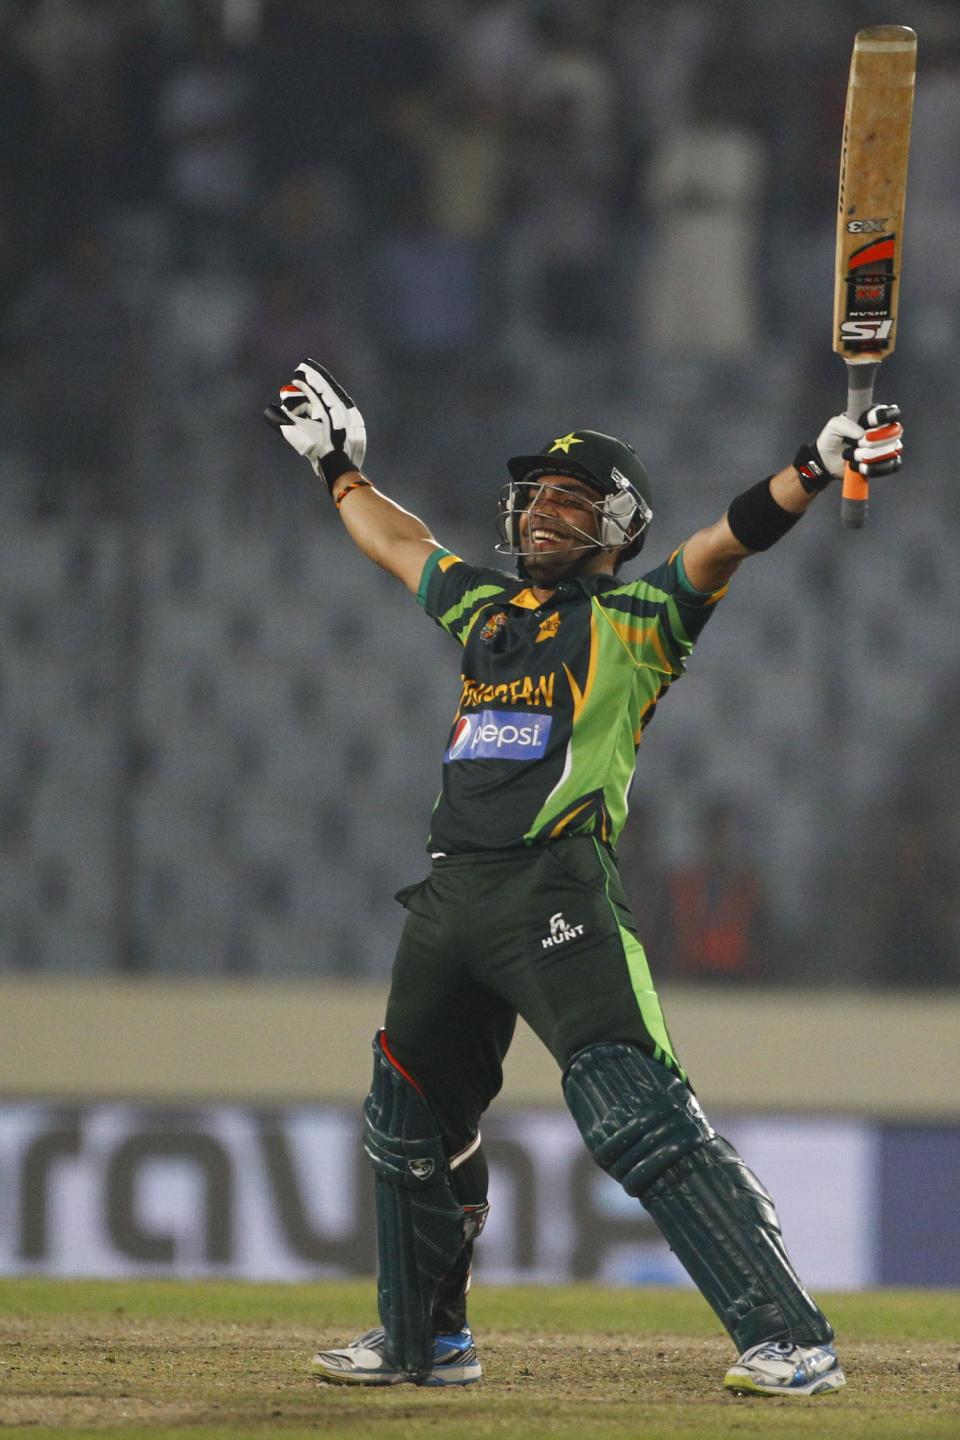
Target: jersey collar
(525, 599)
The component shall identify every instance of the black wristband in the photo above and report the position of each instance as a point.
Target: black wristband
(756, 519)
(811, 472)
(334, 465)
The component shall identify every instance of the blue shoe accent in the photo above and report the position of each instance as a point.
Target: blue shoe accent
(454, 1360)
(778, 1367)
(363, 1362)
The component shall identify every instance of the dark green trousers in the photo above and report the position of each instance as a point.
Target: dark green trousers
(543, 932)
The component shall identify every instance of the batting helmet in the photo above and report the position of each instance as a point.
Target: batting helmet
(609, 466)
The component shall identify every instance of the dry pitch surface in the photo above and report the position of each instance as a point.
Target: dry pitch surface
(215, 1360)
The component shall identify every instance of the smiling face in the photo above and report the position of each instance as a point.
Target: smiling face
(560, 531)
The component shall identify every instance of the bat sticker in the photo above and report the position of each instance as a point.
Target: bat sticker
(854, 330)
(868, 323)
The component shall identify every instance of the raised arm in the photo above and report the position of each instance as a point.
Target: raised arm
(386, 533)
(320, 420)
(763, 514)
(712, 555)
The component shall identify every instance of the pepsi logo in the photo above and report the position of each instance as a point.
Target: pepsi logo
(500, 735)
(461, 736)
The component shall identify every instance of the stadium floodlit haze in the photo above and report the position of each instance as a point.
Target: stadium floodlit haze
(221, 728)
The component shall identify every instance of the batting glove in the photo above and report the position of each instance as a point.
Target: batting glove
(320, 420)
(873, 446)
(880, 450)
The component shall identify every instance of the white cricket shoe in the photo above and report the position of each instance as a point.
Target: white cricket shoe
(778, 1367)
(363, 1362)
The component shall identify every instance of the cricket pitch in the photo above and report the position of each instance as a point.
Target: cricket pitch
(204, 1360)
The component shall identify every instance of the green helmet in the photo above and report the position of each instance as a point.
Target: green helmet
(610, 466)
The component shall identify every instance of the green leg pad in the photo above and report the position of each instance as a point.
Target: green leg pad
(644, 1126)
(420, 1224)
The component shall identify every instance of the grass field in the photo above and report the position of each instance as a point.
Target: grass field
(199, 1360)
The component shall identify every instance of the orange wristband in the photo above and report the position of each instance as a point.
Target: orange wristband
(354, 485)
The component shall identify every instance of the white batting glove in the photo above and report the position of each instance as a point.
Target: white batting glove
(873, 446)
(880, 449)
(837, 436)
(320, 421)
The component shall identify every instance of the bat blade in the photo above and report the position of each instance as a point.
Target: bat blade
(870, 210)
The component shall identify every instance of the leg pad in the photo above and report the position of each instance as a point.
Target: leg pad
(636, 1117)
(420, 1224)
(644, 1127)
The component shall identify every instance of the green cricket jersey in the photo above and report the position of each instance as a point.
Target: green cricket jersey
(554, 698)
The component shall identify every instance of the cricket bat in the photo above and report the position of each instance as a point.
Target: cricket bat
(873, 185)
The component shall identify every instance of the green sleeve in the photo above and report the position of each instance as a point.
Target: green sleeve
(660, 616)
(454, 593)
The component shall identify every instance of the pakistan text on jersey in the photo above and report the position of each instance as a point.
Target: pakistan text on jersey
(525, 691)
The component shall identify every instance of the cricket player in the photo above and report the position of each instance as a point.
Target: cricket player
(523, 912)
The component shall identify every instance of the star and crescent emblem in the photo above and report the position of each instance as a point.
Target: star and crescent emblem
(564, 443)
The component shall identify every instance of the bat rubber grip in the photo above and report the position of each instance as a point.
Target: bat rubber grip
(854, 499)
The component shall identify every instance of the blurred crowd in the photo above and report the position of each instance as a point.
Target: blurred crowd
(489, 217)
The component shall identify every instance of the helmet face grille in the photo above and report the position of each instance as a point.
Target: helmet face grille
(609, 466)
(622, 518)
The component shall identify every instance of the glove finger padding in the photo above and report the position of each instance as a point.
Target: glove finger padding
(879, 450)
(879, 415)
(310, 438)
(296, 399)
(318, 375)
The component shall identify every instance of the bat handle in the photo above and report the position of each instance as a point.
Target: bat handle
(855, 494)
(854, 499)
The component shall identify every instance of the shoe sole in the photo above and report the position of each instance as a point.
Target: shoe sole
(826, 1385)
(468, 1378)
(338, 1377)
(374, 1378)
